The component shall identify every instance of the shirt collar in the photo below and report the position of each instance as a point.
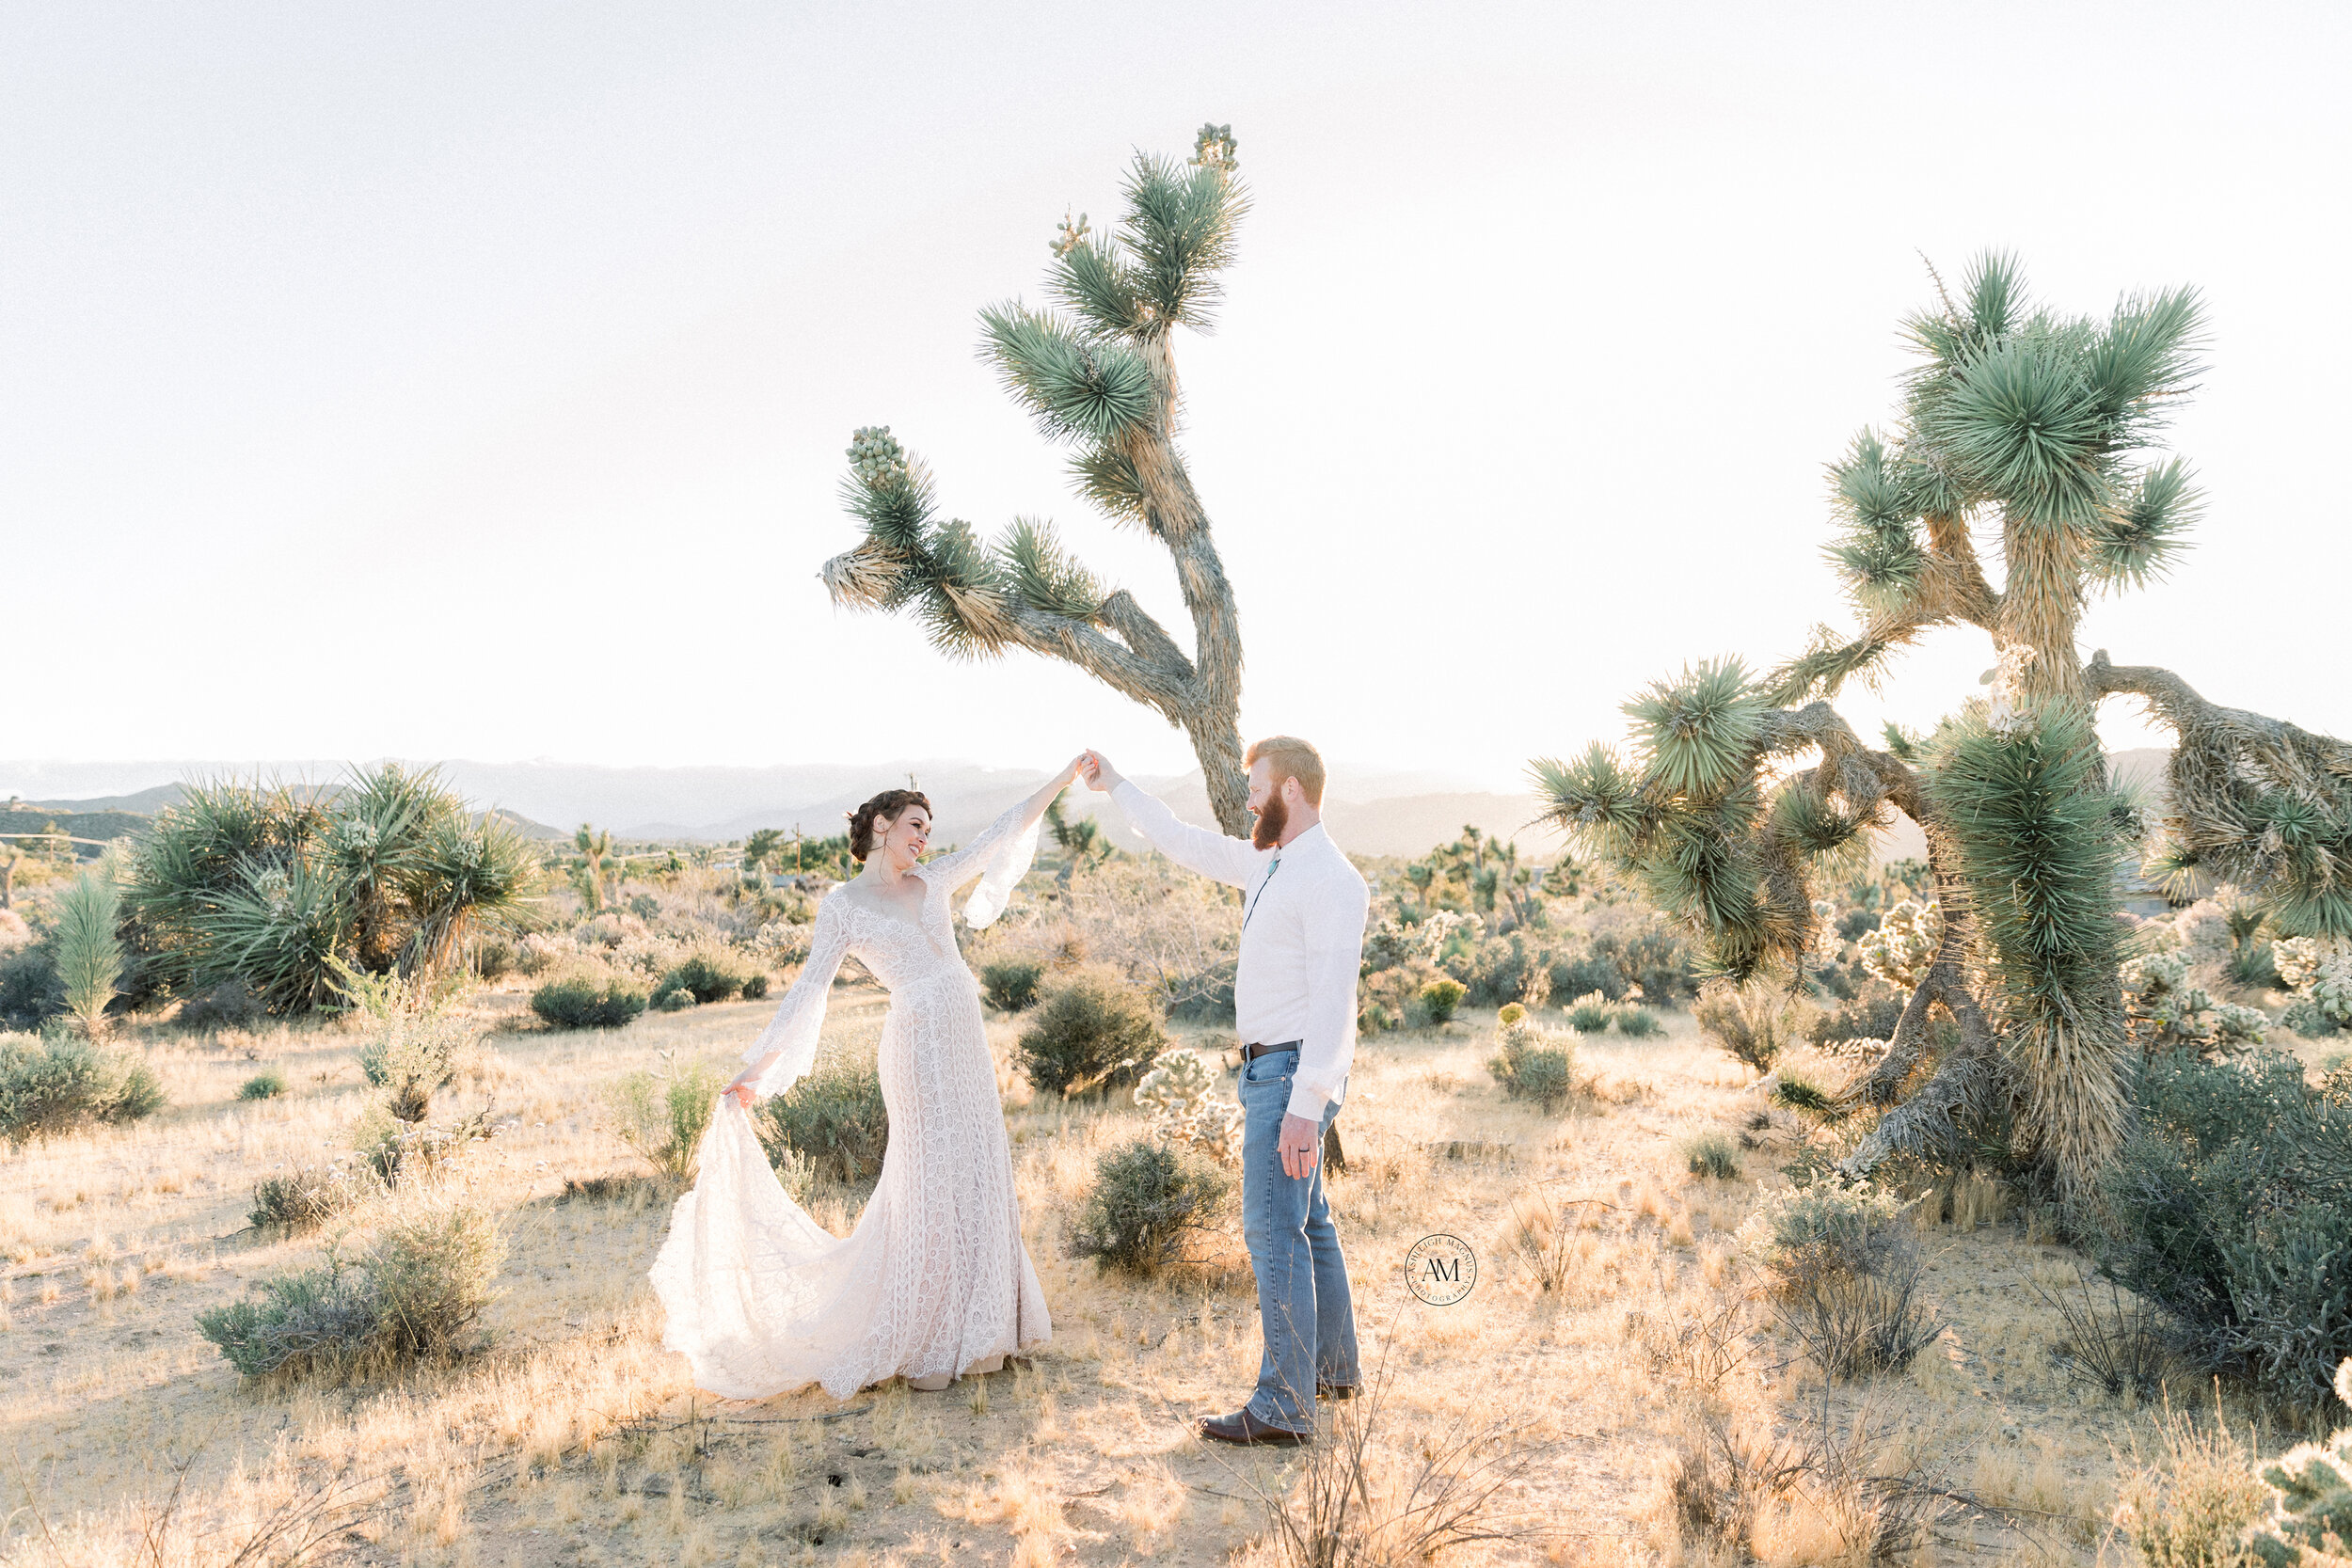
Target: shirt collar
(1313, 835)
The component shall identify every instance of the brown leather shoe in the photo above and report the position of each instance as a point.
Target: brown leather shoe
(1243, 1427)
(1336, 1390)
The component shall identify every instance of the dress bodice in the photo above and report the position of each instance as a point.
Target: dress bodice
(900, 952)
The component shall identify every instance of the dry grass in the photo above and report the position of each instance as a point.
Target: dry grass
(1610, 1297)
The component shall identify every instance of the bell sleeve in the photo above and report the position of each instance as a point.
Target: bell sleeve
(999, 857)
(792, 1033)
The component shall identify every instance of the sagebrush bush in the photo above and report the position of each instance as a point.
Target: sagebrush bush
(307, 1196)
(1713, 1155)
(2230, 1206)
(710, 974)
(834, 1118)
(1533, 1063)
(1844, 1270)
(1590, 1013)
(421, 1285)
(1755, 1023)
(55, 1086)
(663, 1119)
(1093, 1030)
(1868, 1018)
(1009, 985)
(1637, 1023)
(1439, 998)
(411, 1055)
(263, 1086)
(1149, 1201)
(576, 1002)
(756, 986)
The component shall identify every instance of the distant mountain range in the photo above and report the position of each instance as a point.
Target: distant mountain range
(1369, 812)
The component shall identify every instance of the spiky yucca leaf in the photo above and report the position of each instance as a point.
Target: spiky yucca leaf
(2136, 540)
(2146, 356)
(1181, 225)
(1078, 389)
(1698, 731)
(2020, 424)
(1804, 818)
(88, 952)
(467, 875)
(1107, 477)
(1043, 576)
(274, 931)
(2037, 845)
(1593, 797)
(2178, 871)
(1095, 282)
(965, 605)
(1828, 663)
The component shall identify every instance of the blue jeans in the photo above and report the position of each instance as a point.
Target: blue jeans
(1304, 1307)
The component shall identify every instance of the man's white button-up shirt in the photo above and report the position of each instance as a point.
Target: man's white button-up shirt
(1302, 939)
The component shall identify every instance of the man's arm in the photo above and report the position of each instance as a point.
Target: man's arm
(1232, 861)
(1334, 917)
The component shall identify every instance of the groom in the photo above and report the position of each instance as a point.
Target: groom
(1302, 939)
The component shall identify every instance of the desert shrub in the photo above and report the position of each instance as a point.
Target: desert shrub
(1094, 1030)
(494, 957)
(1755, 1023)
(1181, 1093)
(1439, 998)
(1586, 973)
(226, 1005)
(1844, 1270)
(710, 974)
(2190, 1507)
(576, 1002)
(1507, 968)
(1510, 1013)
(1148, 1200)
(1638, 1024)
(2230, 1206)
(2309, 1496)
(54, 1085)
(1801, 1094)
(1653, 959)
(756, 986)
(306, 1197)
(263, 1086)
(1590, 1013)
(673, 999)
(663, 1119)
(30, 989)
(835, 1118)
(2318, 970)
(645, 906)
(399, 1151)
(1391, 998)
(2165, 1008)
(1856, 924)
(1533, 1063)
(422, 1285)
(412, 1054)
(1010, 986)
(1713, 1155)
(1866, 1018)
(90, 956)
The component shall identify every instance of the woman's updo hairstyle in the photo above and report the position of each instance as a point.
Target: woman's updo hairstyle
(884, 808)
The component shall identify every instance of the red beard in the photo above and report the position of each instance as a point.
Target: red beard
(1272, 818)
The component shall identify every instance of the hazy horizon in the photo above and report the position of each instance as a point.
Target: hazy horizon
(451, 383)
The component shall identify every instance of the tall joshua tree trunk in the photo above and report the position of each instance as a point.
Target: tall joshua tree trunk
(1101, 376)
(2040, 422)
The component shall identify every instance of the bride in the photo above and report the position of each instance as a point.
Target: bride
(935, 1280)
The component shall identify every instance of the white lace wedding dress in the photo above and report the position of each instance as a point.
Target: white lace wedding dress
(935, 1276)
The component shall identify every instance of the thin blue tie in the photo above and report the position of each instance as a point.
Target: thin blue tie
(1270, 870)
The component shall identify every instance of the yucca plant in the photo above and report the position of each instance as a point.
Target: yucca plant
(1099, 375)
(594, 849)
(272, 888)
(2034, 432)
(89, 954)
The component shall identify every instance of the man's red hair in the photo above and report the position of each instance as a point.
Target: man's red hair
(1290, 758)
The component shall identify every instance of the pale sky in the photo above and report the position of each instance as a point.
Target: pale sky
(463, 381)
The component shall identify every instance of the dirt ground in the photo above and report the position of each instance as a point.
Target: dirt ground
(571, 1438)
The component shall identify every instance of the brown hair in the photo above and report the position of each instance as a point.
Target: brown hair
(886, 808)
(1292, 758)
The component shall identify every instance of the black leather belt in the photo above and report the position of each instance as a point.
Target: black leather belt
(1251, 1053)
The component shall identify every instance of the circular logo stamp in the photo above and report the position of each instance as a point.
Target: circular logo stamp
(1442, 1269)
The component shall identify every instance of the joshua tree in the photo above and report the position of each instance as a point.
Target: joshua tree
(1099, 375)
(2032, 433)
(762, 847)
(595, 849)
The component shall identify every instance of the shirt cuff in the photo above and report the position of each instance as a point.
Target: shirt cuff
(1308, 1099)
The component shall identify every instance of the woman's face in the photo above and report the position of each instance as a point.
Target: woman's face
(903, 842)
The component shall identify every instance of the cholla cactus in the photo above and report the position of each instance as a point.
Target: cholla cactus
(2035, 434)
(1180, 1093)
(1904, 944)
(1099, 375)
(2310, 1524)
(2318, 970)
(2167, 1007)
